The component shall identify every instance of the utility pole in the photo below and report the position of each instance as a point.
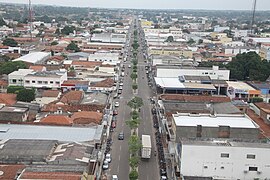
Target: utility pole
(253, 16)
(30, 19)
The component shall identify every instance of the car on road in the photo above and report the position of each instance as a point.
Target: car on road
(113, 125)
(129, 66)
(108, 158)
(121, 136)
(121, 84)
(120, 87)
(105, 165)
(115, 112)
(114, 177)
(116, 104)
(163, 178)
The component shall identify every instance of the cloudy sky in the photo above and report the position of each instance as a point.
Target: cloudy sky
(157, 4)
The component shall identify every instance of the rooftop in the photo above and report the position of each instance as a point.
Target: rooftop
(234, 121)
(13, 109)
(60, 133)
(240, 85)
(194, 98)
(10, 171)
(57, 119)
(33, 57)
(87, 117)
(8, 99)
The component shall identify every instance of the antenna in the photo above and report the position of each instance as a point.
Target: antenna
(30, 19)
(253, 15)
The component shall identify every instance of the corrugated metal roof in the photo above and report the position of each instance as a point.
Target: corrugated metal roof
(60, 133)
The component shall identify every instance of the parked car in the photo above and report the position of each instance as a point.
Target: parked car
(115, 112)
(105, 165)
(121, 136)
(114, 177)
(108, 158)
(113, 124)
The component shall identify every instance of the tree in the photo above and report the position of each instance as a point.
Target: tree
(134, 114)
(73, 47)
(135, 103)
(133, 123)
(10, 42)
(134, 161)
(134, 86)
(67, 30)
(2, 22)
(57, 31)
(256, 99)
(133, 76)
(54, 43)
(133, 175)
(26, 95)
(4, 58)
(249, 66)
(14, 89)
(200, 41)
(134, 144)
(191, 41)
(170, 39)
(9, 67)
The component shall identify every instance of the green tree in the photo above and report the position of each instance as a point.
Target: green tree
(200, 41)
(10, 42)
(133, 76)
(133, 123)
(9, 67)
(134, 114)
(135, 103)
(170, 39)
(4, 58)
(14, 89)
(54, 43)
(73, 47)
(134, 144)
(256, 99)
(134, 86)
(191, 41)
(2, 22)
(67, 30)
(133, 175)
(26, 95)
(134, 161)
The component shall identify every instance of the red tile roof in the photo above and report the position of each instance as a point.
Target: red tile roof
(57, 58)
(52, 107)
(57, 119)
(3, 83)
(105, 83)
(10, 171)
(37, 68)
(76, 82)
(50, 93)
(72, 97)
(86, 64)
(87, 117)
(263, 106)
(8, 99)
(194, 98)
(51, 175)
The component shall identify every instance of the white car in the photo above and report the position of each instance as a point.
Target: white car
(129, 66)
(105, 165)
(116, 104)
(108, 158)
(114, 177)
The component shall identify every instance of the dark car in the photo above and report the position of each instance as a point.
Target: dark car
(115, 112)
(121, 136)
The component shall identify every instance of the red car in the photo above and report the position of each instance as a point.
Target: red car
(113, 124)
(115, 112)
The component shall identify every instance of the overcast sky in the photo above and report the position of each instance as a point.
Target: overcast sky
(157, 4)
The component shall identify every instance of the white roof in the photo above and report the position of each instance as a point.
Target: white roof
(60, 133)
(215, 121)
(240, 85)
(33, 57)
(169, 82)
(22, 72)
(146, 141)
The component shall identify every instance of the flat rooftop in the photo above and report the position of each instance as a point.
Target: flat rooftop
(205, 120)
(226, 143)
(240, 85)
(60, 133)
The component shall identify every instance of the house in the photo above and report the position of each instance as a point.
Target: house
(34, 58)
(95, 46)
(11, 113)
(72, 97)
(16, 78)
(85, 65)
(37, 68)
(55, 60)
(11, 171)
(264, 87)
(241, 91)
(47, 96)
(8, 99)
(87, 117)
(106, 57)
(78, 56)
(106, 85)
(264, 111)
(75, 85)
(57, 119)
(225, 159)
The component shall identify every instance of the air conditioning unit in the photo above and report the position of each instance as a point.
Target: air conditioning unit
(259, 172)
(245, 171)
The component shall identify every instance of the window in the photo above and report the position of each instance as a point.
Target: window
(222, 167)
(14, 80)
(39, 82)
(224, 155)
(251, 156)
(51, 82)
(205, 167)
(33, 81)
(45, 82)
(57, 82)
(253, 168)
(206, 73)
(27, 81)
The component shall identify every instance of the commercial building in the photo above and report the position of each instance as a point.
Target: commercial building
(217, 159)
(34, 58)
(10, 113)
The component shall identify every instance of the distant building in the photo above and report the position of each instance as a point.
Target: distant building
(34, 58)
(11, 113)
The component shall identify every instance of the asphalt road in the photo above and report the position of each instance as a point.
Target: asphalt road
(148, 169)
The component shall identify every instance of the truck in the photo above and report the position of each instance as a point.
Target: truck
(146, 147)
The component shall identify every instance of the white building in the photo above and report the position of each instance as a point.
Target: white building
(105, 56)
(224, 159)
(240, 33)
(214, 73)
(34, 57)
(45, 79)
(109, 38)
(239, 50)
(221, 29)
